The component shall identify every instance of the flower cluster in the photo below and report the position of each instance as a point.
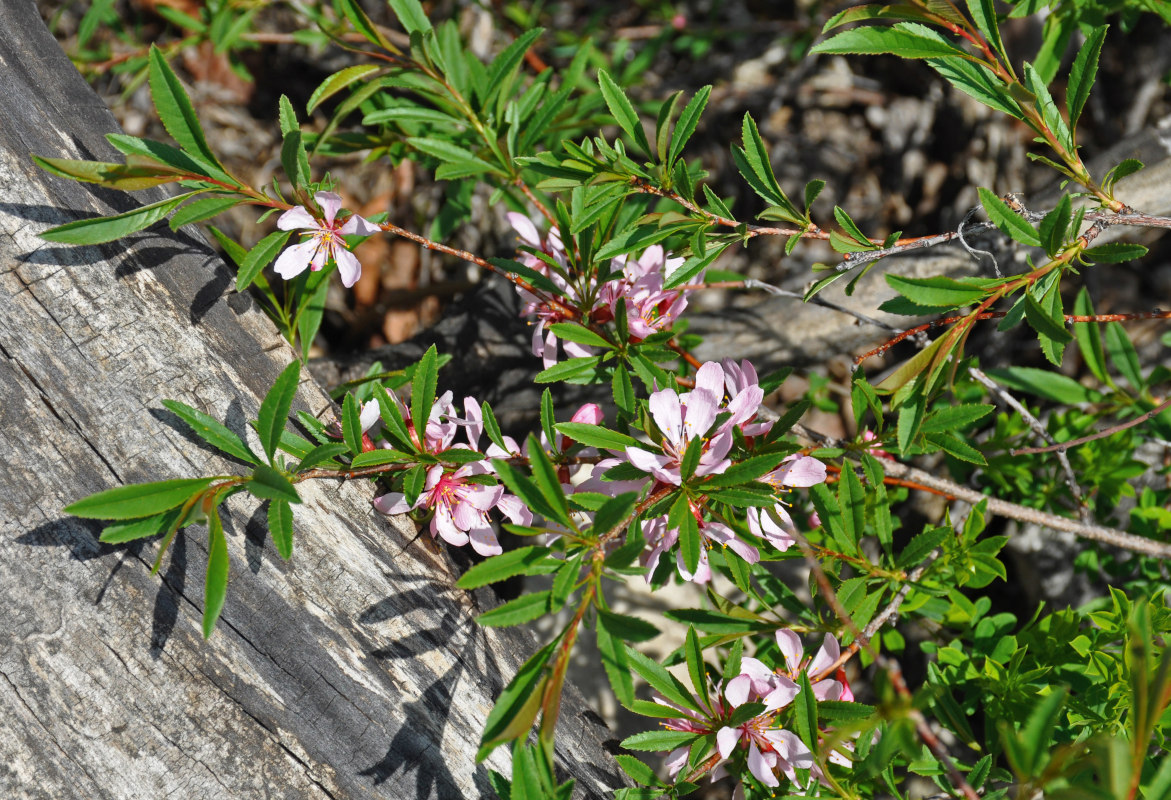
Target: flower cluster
(768, 749)
(650, 308)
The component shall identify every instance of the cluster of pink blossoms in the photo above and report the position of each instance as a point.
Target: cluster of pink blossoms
(770, 749)
(649, 307)
(681, 418)
(460, 504)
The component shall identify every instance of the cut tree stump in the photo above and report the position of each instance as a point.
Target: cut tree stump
(354, 670)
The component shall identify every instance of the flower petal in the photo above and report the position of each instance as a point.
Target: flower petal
(484, 542)
(295, 259)
(726, 740)
(359, 226)
(297, 218)
(330, 204)
(800, 472)
(348, 266)
(393, 503)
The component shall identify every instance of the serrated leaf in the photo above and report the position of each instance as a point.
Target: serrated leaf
(280, 524)
(1045, 324)
(1089, 339)
(122, 532)
(627, 628)
(920, 546)
(910, 417)
(138, 500)
(379, 457)
(956, 447)
(805, 713)
(897, 40)
(352, 423)
(575, 332)
(1050, 385)
(571, 370)
(215, 583)
(362, 23)
(269, 484)
(954, 418)
(1082, 74)
(1123, 355)
(613, 656)
(259, 257)
(274, 411)
(688, 121)
(1050, 114)
(936, 292)
(613, 512)
(984, 15)
(744, 471)
(212, 431)
(1115, 252)
(321, 454)
(126, 177)
(106, 229)
(520, 561)
(1009, 222)
(518, 611)
(622, 110)
(852, 501)
(175, 110)
(423, 387)
(338, 81)
(1054, 225)
(979, 82)
(202, 209)
(658, 740)
(518, 705)
(623, 389)
(411, 15)
(662, 681)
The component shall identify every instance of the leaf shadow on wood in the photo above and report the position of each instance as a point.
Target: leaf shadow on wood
(151, 249)
(410, 748)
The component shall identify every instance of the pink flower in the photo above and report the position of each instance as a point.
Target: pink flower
(824, 688)
(682, 418)
(746, 396)
(769, 749)
(661, 539)
(774, 525)
(324, 240)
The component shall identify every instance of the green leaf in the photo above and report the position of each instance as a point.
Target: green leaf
(126, 177)
(626, 628)
(688, 121)
(259, 257)
(379, 457)
(953, 418)
(623, 110)
(1089, 339)
(936, 292)
(1050, 114)
(204, 208)
(274, 411)
(956, 448)
(521, 561)
(99, 230)
(900, 40)
(294, 159)
(852, 501)
(280, 523)
(518, 704)
(576, 332)
(1123, 355)
(423, 391)
(910, 417)
(122, 532)
(1082, 74)
(1009, 222)
(312, 310)
(805, 713)
(518, 611)
(623, 388)
(322, 454)
(614, 662)
(1050, 385)
(1115, 252)
(546, 480)
(410, 14)
(362, 23)
(269, 484)
(338, 81)
(638, 770)
(175, 110)
(977, 81)
(662, 681)
(759, 172)
(658, 740)
(500, 71)
(921, 546)
(570, 370)
(1045, 324)
(352, 424)
(215, 584)
(744, 471)
(684, 521)
(138, 500)
(613, 513)
(524, 488)
(1055, 225)
(984, 15)
(718, 623)
(212, 431)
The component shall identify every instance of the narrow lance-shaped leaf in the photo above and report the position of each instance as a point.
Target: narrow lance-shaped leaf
(175, 110)
(899, 40)
(106, 229)
(215, 586)
(138, 500)
(274, 411)
(1009, 222)
(127, 177)
(1082, 74)
(259, 257)
(280, 523)
(623, 110)
(688, 121)
(212, 431)
(269, 484)
(338, 81)
(423, 391)
(351, 423)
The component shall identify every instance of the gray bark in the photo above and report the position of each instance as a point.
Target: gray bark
(354, 670)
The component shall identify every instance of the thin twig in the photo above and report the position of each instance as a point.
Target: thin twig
(1039, 429)
(1061, 447)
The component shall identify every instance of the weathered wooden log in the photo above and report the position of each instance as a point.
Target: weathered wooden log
(354, 670)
